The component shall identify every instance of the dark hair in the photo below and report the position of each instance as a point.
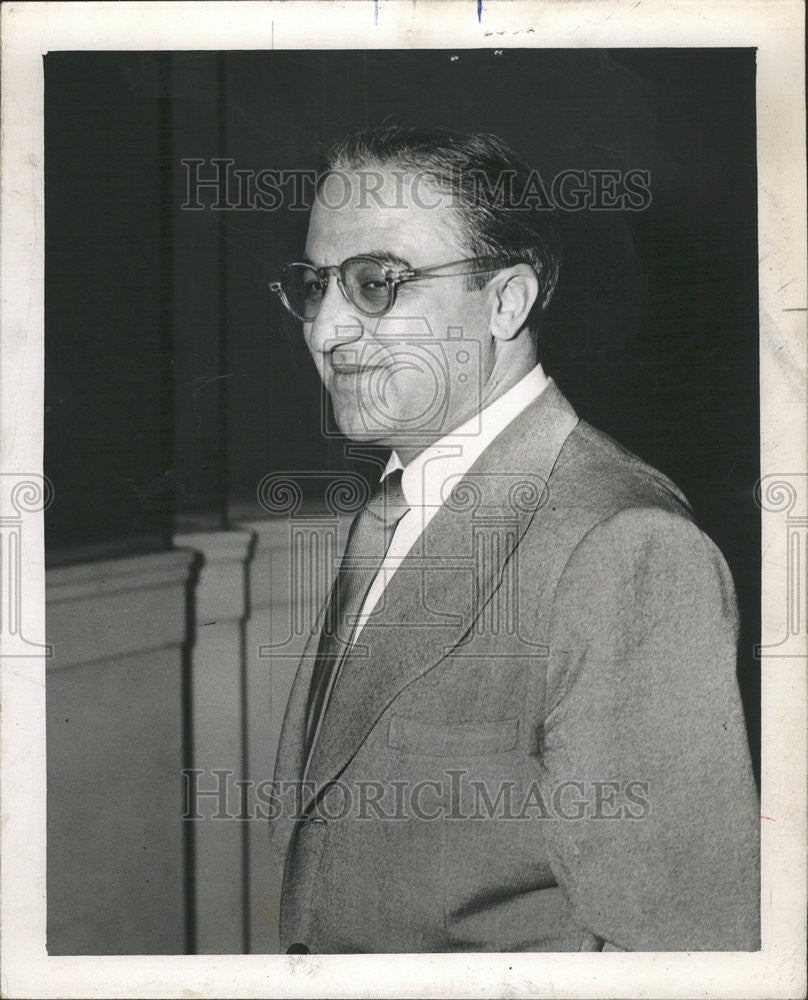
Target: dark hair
(486, 181)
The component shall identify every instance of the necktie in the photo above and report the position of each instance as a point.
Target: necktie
(368, 541)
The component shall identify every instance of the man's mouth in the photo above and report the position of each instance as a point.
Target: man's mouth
(346, 368)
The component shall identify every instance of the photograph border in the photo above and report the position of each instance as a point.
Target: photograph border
(28, 30)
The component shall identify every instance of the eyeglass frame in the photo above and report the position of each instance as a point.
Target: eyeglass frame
(392, 278)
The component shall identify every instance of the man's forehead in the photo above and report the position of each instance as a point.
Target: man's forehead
(356, 212)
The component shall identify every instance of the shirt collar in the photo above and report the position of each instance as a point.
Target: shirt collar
(429, 477)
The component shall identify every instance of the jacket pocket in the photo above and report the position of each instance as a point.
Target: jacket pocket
(452, 739)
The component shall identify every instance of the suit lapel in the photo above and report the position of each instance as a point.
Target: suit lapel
(456, 564)
(289, 759)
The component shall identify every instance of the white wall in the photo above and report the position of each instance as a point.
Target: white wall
(163, 662)
(115, 752)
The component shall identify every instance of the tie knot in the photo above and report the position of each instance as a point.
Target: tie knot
(388, 502)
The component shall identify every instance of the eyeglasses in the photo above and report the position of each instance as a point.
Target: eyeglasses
(367, 283)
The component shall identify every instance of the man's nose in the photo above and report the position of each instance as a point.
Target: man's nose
(337, 321)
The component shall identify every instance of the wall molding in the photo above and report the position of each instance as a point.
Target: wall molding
(116, 607)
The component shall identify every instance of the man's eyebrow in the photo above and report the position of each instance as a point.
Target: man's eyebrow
(383, 256)
(387, 257)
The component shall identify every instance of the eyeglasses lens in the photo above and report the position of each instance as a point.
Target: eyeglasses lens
(363, 281)
(367, 286)
(303, 289)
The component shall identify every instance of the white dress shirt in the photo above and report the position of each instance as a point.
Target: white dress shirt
(431, 476)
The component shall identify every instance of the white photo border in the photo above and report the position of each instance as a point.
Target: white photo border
(776, 31)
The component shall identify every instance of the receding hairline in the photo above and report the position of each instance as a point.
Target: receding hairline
(469, 167)
(450, 215)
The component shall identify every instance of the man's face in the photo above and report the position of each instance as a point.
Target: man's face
(408, 377)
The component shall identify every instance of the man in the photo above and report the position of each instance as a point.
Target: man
(516, 723)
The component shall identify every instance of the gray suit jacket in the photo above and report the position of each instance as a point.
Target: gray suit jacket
(537, 742)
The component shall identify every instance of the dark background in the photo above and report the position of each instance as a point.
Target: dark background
(174, 382)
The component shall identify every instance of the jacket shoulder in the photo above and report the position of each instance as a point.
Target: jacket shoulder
(595, 473)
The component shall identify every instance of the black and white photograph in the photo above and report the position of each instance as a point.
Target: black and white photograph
(414, 501)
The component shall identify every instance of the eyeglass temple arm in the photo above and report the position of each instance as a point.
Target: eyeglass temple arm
(428, 272)
(423, 272)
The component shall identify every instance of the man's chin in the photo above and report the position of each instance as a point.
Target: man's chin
(363, 436)
(355, 429)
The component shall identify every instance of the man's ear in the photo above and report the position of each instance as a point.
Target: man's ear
(512, 293)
